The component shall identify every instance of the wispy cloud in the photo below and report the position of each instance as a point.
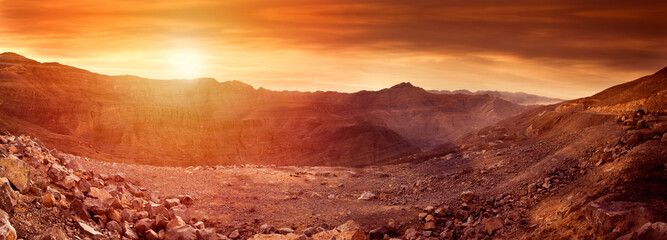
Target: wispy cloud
(557, 48)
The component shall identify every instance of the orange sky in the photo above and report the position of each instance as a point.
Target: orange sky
(560, 48)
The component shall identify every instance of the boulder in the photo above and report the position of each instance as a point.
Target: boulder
(174, 223)
(99, 193)
(151, 235)
(16, 171)
(90, 231)
(162, 221)
(129, 232)
(78, 209)
(619, 216)
(285, 230)
(48, 200)
(378, 233)
(171, 202)
(97, 206)
(185, 232)
(650, 230)
(348, 231)
(52, 233)
(367, 196)
(8, 197)
(411, 234)
(309, 231)
(492, 224)
(467, 196)
(57, 172)
(155, 209)
(185, 199)
(7, 232)
(143, 225)
(118, 177)
(114, 227)
(128, 215)
(113, 214)
(133, 190)
(85, 186)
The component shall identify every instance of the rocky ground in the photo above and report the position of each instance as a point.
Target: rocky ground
(590, 176)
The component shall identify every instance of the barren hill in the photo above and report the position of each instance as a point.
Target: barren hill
(202, 121)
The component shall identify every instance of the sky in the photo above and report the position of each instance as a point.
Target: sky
(565, 49)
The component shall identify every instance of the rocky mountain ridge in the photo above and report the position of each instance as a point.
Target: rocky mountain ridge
(230, 122)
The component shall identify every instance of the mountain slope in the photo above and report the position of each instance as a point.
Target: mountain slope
(202, 121)
(515, 97)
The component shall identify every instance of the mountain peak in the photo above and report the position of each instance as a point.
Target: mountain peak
(403, 85)
(10, 57)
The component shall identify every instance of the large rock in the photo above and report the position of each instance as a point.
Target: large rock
(185, 232)
(619, 216)
(7, 232)
(492, 224)
(52, 233)
(174, 223)
(8, 197)
(97, 206)
(57, 172)
(17, 172)
(78, 209)
(99, 193)
(467, 196)
(90, 231)
(348, 231)
(657, 230)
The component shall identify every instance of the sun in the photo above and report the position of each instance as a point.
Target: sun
(185, 63)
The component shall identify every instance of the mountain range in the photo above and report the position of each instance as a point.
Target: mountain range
(203, 121)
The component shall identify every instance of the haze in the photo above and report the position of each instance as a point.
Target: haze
(564, 49)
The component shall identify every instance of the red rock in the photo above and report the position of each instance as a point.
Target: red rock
(181, 233)
(492, 224)
(143, 225)
(48, 200)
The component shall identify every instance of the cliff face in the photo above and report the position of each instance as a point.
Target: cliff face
(202, 121)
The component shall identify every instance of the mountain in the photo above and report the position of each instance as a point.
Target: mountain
(588, 168)
(515, 97)
(202, 121)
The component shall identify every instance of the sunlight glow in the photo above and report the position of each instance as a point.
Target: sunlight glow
(185, 63)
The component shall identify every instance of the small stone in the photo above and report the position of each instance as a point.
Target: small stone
(199, 225)
(7, 232)
(174, 223)
(492, 224)
(378, 233)
(235, 234)
(90, 231)
(285, 230)
(429, 226)
(429, 218)
(367, 196)
(99, 193)
(48, 200)
(114, 227)
(8, 197)
(467, 196)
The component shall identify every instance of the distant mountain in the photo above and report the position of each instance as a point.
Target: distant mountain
(202, 121)
(515, 97)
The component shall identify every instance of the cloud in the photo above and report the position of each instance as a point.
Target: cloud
(254, 39)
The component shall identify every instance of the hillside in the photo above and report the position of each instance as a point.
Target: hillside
(514, 97)
(205, 122)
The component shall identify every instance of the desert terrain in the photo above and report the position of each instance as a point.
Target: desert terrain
(589, 168)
